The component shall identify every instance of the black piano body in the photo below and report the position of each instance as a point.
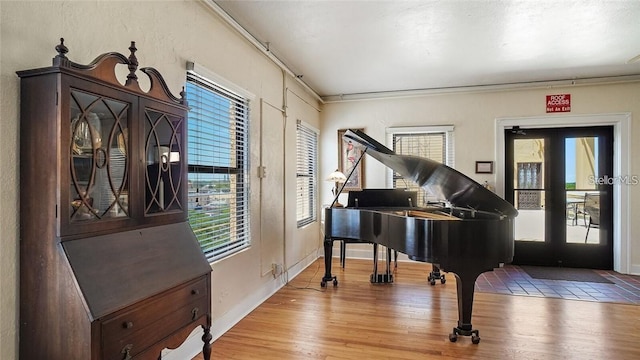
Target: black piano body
(472, 235)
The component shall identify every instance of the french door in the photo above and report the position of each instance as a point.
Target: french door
(560, 180)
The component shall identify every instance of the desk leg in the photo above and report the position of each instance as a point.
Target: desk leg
(206, 338)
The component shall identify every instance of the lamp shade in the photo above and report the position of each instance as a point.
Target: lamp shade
(337, 176)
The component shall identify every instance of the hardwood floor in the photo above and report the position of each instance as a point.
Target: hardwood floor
(410, 319)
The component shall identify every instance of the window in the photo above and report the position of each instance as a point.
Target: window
(218, 149)
(306, 171)
(433, 142)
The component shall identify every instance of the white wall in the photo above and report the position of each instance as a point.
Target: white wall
(167, 34)
(474, 116)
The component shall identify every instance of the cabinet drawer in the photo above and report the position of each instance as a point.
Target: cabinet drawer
(163, 326)
(140, 317)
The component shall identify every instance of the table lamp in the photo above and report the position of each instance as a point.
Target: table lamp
(338, 178)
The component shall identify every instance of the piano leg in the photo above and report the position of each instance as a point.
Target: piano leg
(328, 254)
(465, 286)
(343, 253)
(395, 260)
(389, 272)
(374, 276)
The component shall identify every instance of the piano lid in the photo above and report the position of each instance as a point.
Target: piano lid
(439, 180)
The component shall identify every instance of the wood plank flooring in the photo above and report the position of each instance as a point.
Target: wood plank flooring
(410, 319)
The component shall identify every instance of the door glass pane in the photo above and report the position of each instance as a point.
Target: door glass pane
(99, 157)
(582, 197)
(529, 189)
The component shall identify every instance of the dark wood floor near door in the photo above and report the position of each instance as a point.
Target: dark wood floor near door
(411, 319)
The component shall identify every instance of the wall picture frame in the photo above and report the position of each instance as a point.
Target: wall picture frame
(348, 156)
(484, 167)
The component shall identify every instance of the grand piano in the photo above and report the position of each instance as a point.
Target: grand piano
(471, 234)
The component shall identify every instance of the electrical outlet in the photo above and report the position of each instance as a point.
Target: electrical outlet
(276, 269)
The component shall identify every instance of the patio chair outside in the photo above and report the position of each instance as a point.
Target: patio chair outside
(592, 211)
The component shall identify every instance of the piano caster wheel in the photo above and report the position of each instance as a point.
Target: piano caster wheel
(475, 335)
(432, 279)
(323, 283)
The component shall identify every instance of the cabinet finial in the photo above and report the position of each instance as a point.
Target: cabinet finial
(61, 58)
(183, 97)
(61, 49)
(133, 63)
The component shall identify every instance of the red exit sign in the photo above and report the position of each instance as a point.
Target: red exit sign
(559, 103)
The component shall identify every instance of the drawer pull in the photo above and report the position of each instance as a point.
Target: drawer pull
(195, 292)
(194, 313)
(127, 324)
(126, 352)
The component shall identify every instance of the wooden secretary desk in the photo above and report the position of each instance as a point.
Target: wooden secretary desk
(109, 266)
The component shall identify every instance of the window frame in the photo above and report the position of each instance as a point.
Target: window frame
(307, 144)
(233, 216)
(447, 131)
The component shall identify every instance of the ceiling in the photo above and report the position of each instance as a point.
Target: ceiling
(339, 48)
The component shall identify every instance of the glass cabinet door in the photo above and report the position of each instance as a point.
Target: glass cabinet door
(99, 150)
(164, 162)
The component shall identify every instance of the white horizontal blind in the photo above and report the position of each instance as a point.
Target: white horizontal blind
(306, 173)
(435, 143)
(218, 148)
